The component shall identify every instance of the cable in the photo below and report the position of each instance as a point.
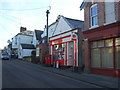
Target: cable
(14, 20)
(23, 9)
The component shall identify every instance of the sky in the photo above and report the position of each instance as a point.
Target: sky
(32, 15)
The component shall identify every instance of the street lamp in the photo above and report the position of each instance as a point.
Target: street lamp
(47, 13)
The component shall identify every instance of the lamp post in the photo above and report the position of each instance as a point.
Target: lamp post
(47, 13)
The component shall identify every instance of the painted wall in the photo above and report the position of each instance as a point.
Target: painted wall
(62, 27)
(52, 30)
(24, 52)
(109, 12)
(35, 41)
(17, 40)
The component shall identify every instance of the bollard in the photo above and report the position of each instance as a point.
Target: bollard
(57, 64)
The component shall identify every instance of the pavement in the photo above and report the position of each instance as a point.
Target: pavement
(98, 80)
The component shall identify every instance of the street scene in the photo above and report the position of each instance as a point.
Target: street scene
(59, 44)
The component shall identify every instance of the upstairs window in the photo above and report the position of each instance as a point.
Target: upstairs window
(94, 15)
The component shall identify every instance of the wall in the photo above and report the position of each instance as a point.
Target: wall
(25, 39)
(62, 26)
(27, 52)
(109, 12)
(35, 41)
(51, 29)
(14, 42)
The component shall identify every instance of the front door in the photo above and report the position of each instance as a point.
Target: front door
(70, 61)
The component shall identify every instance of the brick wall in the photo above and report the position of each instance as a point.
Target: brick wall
(87, 16)
(101, 14)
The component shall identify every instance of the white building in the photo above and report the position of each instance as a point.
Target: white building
(24, 37)
(25, 50)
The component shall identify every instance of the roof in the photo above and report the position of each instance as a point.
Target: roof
(74, 23)
(38, 34)
(27, 46)
(84, 3)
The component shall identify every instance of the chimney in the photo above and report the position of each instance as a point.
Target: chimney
(22, 29)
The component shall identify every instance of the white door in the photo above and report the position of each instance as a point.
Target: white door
(70, 61)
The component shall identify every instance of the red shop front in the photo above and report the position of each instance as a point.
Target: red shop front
(63, 50)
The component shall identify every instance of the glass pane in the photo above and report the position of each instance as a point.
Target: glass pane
(118, 57)
(101, 43)
(107, 57)
(117, 41)
(94, 11)
(94, 44)
(94, 20)
(95, 57)
(109, 42)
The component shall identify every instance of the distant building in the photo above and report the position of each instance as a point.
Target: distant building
(24, 37)
(25, 50)
(37, 37)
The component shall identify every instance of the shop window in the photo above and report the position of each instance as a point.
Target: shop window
(101, 43)
(94, 44)
(118, 57)
(59, 52)
(117, 41)
(107, 57)
(95, 54)
(109, 42)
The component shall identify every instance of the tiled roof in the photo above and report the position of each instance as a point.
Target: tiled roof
(38, 34)
(27, 46)
(73, 23)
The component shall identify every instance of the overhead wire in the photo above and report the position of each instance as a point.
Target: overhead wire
(17, 21)
(23, 9)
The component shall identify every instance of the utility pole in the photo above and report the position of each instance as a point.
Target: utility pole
(47, 13)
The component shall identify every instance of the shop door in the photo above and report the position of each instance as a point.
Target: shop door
(70, 55)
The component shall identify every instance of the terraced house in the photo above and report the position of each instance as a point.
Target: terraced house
(102, 37)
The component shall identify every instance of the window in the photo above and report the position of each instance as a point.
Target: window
(101, 43)
(117, 43)
(107, 58)
(109, 42)
(94, 15)
(93, 44)
(59, 51)
(95, 54)
(118, 57)
(102, 53)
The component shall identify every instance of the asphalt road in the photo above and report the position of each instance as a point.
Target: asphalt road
(21, 74)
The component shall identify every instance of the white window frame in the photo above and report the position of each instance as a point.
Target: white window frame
(93, 26)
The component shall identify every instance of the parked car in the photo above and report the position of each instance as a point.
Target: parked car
(5, 56)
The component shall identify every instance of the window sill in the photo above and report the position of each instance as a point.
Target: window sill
(94, 27)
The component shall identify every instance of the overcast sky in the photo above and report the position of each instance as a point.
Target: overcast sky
(32, 15)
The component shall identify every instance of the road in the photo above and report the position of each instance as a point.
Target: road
(21, 74)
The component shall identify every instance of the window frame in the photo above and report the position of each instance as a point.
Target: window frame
(91, 17)
(97, 47)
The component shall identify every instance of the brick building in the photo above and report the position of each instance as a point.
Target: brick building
(102, 37)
